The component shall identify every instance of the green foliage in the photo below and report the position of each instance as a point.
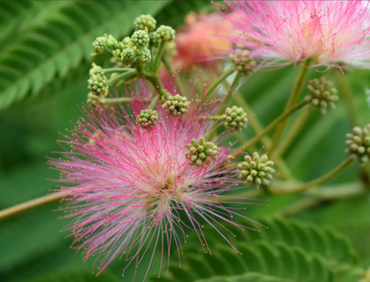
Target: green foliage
(61, 42)
(289, 251)
(74, 275)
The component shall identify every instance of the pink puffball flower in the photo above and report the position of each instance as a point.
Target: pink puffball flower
(199, 40)
(132, 189)
(329, 33)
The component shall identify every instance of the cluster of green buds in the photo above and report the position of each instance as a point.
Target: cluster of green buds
(97, 83)
(322, 94)
(358, 144)
(235, 119)
(104, 44)
(133, 51)
(243, 63)
(147, 118)
(145, 21)
(176, 105)
(256, 170)
(200, 152)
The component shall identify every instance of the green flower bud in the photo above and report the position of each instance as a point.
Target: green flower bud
(145, 21)
(358, 144)
(322, 94)
(140, 38)
(147, 118)
(135, 56)
(201, 152)
(104, 44)
(243, 62)
(97, 83)
(235, 119)
(154, 41)
(256, 170)
(92, 100)
(165, 33)
(176, 105)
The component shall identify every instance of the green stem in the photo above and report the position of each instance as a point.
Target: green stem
(316, 196)
(297, 89)
(110, 101)
(125, 76)
(347, 95)
(111, 70)
(255, 124)
(154, 101)
(273, 124)
(315, 182)
(9, 212)
(219, 81)
(292, 133)
(158, 56)
(211, 117)
(232, 88)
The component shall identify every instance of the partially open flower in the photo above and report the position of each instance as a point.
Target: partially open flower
(284, 32)
(131, 190)
(198, 42)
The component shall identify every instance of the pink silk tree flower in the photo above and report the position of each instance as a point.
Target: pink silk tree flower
(278, 33)
(198, 40)
(132, 188)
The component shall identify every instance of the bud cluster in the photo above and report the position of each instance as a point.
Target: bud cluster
(322, 94)
(97, 83)
(201, 152)
(235, 119)
(104, 44)
(176, 105)
(145, 21)
(358, 144)
(256, 170)
(147, 118)
(243, 63)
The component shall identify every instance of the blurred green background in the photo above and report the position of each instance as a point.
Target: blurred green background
(45, 51)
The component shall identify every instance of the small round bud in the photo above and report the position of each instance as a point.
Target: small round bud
(200, 152)
(176, 105)
(243, 62)
(135, 56)
(142, 56)
(358, 144)
(104, 44)
(165, 33)
(256, 170)
(145, 21)
(322, 94)
(147, 118)
(92, 100)
(235, 119)
(97, 83)
(154, 41)
(140, 38)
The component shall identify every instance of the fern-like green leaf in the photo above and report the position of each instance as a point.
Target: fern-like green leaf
(60, 42)
(290, 251)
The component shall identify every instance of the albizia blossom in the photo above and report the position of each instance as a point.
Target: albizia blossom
(284, 32)
(132, 189)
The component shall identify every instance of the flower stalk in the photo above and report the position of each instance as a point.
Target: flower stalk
(305, 186)
(297, 89)
(225, 75)
(273, 124)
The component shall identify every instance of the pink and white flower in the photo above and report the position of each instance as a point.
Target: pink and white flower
(284, 32)
(131, 189)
